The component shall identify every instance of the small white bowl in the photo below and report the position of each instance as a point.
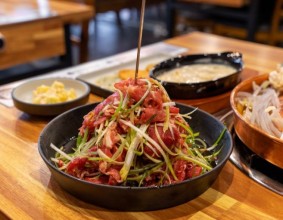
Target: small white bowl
(22, 96)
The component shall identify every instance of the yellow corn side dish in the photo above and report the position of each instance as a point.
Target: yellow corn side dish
(55, 93)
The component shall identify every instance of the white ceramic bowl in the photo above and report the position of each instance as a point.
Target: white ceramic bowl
(22, 96)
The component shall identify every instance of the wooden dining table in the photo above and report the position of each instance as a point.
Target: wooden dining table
(251, 16)
(231, 3)
(32, 30)
(28, 190)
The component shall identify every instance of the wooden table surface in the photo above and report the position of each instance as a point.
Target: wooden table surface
(29, 27)
(13, 12)
(230, 3)
(28, 191)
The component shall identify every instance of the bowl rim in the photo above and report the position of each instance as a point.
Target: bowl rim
(85, 93)
(197, 57)
(51, 165)
(234, 108)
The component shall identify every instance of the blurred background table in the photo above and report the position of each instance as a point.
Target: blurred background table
(32, 30)
(252, 20)
(230, 3)
(104, 6)
(28, 191)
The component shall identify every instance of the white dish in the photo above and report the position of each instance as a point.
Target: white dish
(92, 77)
(23, 94)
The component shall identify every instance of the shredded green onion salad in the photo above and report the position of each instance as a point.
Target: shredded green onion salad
(138, 142)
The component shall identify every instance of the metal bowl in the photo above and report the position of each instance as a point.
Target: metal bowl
(200, 89)
(65, 126)
(266, 146)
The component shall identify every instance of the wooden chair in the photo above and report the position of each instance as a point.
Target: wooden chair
(102, 6)
(272, 34)
(194, 18)
(199, 13)
(242, 19)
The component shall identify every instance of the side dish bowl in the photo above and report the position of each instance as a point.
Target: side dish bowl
(266, 146)
(132, 198)
(193, 90)
(23, 94)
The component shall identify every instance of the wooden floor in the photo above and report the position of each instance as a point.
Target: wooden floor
(107, 37)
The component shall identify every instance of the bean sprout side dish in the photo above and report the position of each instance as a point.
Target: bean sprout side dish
(263, 107)
(137, 137)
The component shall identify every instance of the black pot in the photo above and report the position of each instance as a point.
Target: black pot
(200, 89)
